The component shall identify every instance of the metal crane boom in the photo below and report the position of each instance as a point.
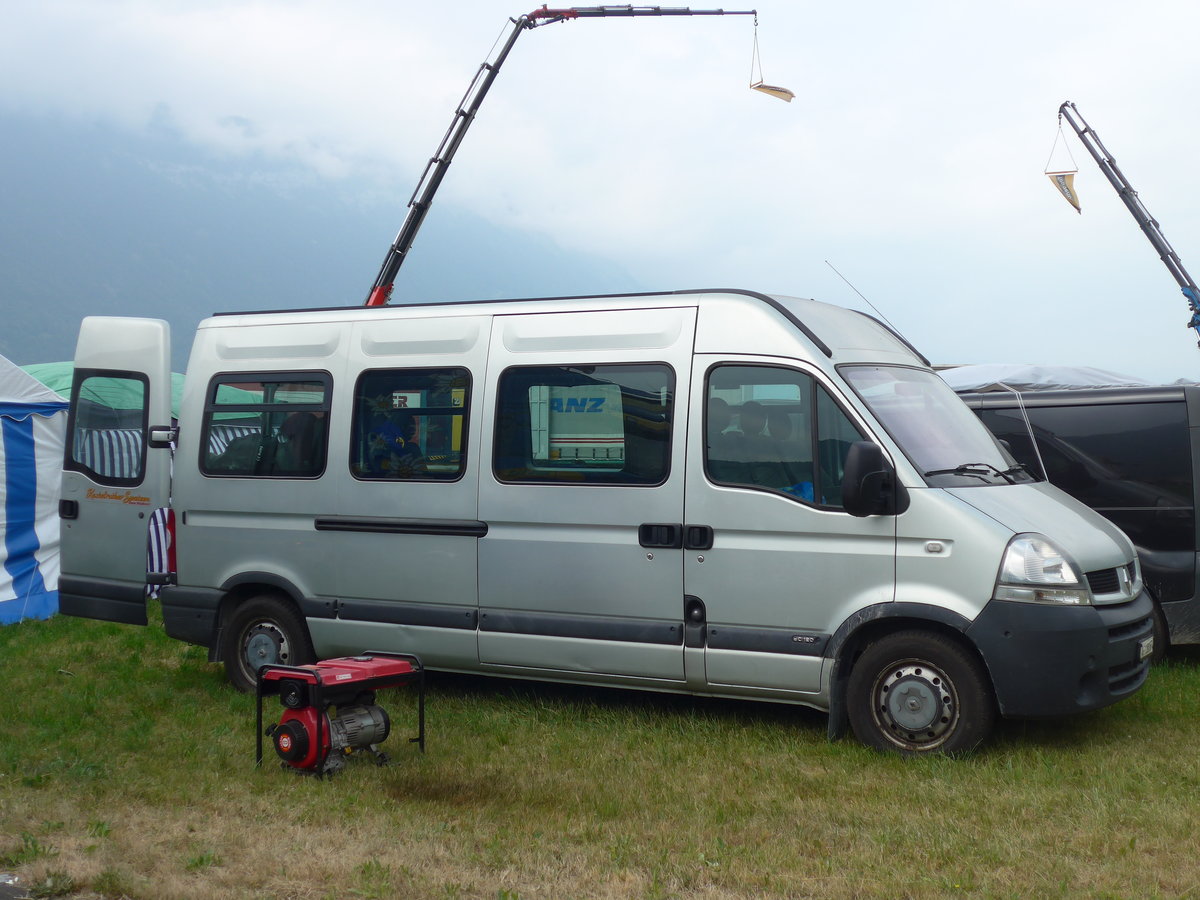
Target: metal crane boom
(1137, 209)
(464, 115)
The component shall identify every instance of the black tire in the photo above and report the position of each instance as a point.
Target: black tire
(947, 696)
(264, 630)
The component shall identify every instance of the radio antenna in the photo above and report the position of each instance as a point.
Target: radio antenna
(892, 328)
(861, 294)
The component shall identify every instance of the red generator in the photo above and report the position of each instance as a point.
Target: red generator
(311, 741)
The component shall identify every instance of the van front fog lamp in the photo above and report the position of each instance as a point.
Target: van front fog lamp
(1035, 570)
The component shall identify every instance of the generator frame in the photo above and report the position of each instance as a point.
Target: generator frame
(323, 694)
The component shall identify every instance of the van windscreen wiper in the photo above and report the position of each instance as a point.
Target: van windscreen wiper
(977, 470)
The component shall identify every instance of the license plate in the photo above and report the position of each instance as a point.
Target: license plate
(1145, 647)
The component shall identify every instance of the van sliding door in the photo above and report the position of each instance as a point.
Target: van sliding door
(580, 571)
(403, 527)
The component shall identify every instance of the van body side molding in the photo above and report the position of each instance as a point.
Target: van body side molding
(434, 615)
(598, 628)
(766, 640)
(381, 525)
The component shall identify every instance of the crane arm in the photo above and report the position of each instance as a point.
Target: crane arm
(1136, 208)
(464, 115)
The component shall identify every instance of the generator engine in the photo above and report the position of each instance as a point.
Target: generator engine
(311, 739)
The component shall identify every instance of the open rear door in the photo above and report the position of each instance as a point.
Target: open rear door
(113, 476)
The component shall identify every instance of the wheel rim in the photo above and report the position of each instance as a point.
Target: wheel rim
(264, 644)
(915, 705)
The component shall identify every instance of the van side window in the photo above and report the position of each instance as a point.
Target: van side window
(603, 424)
(109, 416)
(410, 424)
(266, 425)
(777, 430)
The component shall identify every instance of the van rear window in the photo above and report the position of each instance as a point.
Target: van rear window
(266, 425)
(604, 424)
(109, 420)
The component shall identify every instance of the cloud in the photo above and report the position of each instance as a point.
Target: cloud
(918, 133)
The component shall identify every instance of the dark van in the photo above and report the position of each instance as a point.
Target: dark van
(1130, 453)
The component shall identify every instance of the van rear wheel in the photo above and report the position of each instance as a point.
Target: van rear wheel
(920, 692)
(263, 631)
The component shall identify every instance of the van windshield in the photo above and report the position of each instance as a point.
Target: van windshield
(934, 428)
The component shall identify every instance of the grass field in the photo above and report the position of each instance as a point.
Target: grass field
(127, 770)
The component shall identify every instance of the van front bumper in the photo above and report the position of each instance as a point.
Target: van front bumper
(1053, 661)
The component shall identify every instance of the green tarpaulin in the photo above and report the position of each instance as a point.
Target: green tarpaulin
(110, 392)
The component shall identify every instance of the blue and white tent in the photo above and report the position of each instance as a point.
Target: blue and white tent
(33, 422)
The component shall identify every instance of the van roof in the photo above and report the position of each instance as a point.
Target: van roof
(837, 332)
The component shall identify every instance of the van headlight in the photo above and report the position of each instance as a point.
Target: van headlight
(1035, 570)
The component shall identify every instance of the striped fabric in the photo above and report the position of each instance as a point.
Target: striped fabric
(219, 436)
(30, 459)
(110, 452)
(117, 452)
(160, 556)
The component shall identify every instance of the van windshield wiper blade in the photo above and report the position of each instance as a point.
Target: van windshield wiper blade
(976, 470)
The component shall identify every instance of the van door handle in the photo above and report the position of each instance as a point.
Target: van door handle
(697, 537)
(660, 536)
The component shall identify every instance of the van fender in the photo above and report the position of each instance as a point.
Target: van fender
(847, 642)
(246, 584)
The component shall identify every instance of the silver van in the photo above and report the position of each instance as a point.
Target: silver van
(710, 492)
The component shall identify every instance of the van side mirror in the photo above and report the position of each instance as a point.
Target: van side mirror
(869, 485)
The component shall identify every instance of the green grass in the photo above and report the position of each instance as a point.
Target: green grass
(127, 769)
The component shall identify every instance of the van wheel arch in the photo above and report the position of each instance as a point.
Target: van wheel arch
(240, 588)
(260, 626)
(920, 690)
(870, 624)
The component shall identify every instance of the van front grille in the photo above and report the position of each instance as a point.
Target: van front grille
(1104, 581)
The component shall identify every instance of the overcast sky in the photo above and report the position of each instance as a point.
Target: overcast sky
(911, 159)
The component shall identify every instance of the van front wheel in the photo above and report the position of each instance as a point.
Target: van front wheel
(919, 692)
(263, 631)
